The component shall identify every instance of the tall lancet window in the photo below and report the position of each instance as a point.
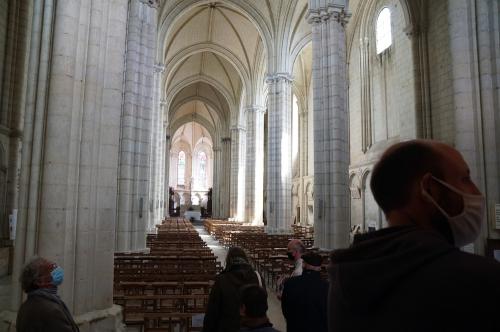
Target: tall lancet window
(181, 168)
(383, 30)
(202, 169)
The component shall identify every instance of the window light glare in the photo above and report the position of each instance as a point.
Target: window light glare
(383, 30)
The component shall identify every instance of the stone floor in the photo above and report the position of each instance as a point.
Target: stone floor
(274, 311)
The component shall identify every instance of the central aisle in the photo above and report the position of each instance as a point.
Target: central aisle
(274, 312)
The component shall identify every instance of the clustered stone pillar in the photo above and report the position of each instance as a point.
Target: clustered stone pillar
(136, 128)
(331, 146)
(476, 100)
(70, 151)
(14, 76)
(237, 173)
(224, 193)
(254, 199)
(216, 187)
(157, 153)
(279, 154)
(166, 180)
(304, 165)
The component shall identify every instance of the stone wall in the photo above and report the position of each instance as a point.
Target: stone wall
(440, 76)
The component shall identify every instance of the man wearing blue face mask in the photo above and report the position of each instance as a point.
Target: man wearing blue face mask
(412, 276)
(43, 310)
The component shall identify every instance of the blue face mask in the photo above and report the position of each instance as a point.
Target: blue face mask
(57, 276)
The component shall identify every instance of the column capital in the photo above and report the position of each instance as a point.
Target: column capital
(226, 139)
(414, 30)
(334, 11)
(151, 3)
(277, 77)
(159, 68)
(255, 108)
(237, 129)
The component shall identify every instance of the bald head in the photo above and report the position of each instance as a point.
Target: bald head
(296, 249)
(400, 168)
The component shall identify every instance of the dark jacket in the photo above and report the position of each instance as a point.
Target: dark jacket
(44, 312)
(264, 328)
(409, 279)
(304, 303)
(223, 309)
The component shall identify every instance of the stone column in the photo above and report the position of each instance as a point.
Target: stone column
(136, 128)
(331, 146)
(174, 159)
(237, 191)
(254, 199)
(225, 180)
(304, 149)
(474, 53)
(13, 88)
(166, 178)
(216, 187)
(279, 153)
(70, 152)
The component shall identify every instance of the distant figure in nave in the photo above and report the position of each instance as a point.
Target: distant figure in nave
(43, 310)
(412, 276)
(305, 297)
(253, 310)
(295, 250)
(222, 314)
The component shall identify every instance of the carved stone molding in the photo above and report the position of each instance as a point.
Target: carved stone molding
(276, 77)
(152, 3)
(331, 11)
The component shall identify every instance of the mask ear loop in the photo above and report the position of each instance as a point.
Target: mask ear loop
(433, 201)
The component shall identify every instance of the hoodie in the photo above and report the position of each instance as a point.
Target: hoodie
(223, 309)
(408, 279)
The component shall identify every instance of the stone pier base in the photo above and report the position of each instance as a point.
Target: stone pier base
(106, 320)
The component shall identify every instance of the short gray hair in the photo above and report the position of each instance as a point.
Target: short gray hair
(31, 273)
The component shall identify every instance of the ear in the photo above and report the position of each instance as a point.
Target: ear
(426, 182)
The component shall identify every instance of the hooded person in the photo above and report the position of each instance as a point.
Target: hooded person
(222, 313)
(412, 276)
(43, 310)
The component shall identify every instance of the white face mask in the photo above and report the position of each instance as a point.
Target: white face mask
(466, 226)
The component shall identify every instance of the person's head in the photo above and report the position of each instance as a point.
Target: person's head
(312, 261)
(253, 301)
(295, 249)
(236, 256)
(425, 183)
(40, 273)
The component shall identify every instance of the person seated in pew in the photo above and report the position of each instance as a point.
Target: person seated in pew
(222, 313)
(253, 310)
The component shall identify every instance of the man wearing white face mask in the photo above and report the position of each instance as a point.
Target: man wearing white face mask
(412, 275)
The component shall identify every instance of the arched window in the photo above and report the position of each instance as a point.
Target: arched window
(202, 169)
(181, 168)
(383, 30)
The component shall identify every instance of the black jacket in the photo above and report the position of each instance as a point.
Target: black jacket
(223, 309)
(44, 312)
(409, 279)
(304, 303)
